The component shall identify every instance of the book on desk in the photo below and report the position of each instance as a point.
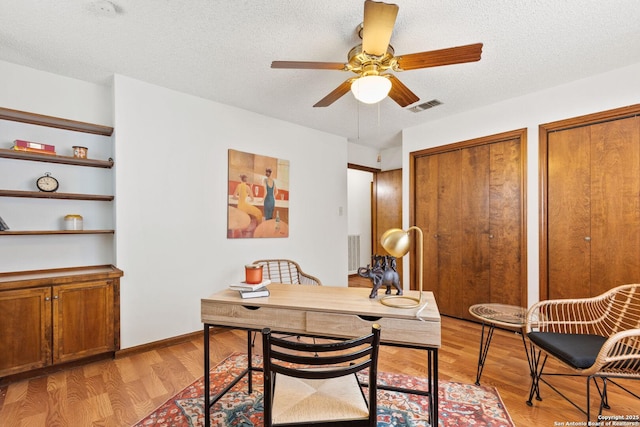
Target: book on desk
(264, 292)
(248, 290)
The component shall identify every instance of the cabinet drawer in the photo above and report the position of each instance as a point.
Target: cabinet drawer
(255, 317)
(400, 331)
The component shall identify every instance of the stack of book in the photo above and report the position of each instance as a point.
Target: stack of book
(247, 290)
(33, 147)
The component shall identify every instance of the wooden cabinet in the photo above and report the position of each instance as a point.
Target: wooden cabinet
(48, 317)
(25, 329)
(469, 201)
(593, 207)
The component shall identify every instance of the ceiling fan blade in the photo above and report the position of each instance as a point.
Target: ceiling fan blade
(336, 94)
(436, 58)
(379, 19)
(309, 65)
(400, 93)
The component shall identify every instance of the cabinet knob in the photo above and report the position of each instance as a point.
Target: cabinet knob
(491, 236)
(435, 236)
(56, 297)
(587, 239)
(47, 299)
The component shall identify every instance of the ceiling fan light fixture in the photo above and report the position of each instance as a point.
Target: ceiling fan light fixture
(371, 89)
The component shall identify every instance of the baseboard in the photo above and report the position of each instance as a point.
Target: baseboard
(164, 343)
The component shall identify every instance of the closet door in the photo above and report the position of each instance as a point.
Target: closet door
(593, 208)
(475, 268)
(569, 213)
(507, 272)
(615, 204)
(469, 203)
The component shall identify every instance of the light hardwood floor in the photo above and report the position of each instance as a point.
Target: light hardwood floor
(120, 392)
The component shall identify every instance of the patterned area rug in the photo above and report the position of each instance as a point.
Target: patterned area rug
(459, 404)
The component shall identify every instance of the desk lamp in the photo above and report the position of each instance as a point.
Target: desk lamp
(397, 243)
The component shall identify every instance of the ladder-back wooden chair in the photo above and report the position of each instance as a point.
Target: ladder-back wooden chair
(597, 338)
(317, 384)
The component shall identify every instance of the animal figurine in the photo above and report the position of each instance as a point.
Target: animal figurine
(380, 275)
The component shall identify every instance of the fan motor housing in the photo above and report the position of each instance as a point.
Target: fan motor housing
(362, 63)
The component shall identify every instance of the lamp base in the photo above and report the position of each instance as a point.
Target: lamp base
(411, 302)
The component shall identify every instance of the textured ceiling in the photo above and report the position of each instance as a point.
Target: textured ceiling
(222, 50)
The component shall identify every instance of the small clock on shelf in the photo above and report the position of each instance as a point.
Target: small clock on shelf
(47, 183)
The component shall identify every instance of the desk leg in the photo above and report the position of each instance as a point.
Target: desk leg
(484, 349)
(249, 362)
(207, 386)
(433, 374)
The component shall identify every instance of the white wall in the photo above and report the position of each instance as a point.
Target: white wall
(171, 186)
(27, 89)
(359, 222)
(362, 155)
(603, 92)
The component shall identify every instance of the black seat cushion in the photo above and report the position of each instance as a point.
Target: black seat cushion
(577, 350)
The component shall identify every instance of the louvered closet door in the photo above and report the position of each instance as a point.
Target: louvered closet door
(593, 207)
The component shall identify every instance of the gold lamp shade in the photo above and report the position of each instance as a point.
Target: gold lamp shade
(396, 242)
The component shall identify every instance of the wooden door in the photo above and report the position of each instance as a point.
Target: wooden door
(387, 208)
(507, 264)
(25, 330)
(475, 280)
(593, 208)
(469, 201)
(569, 213)
(448, 234)
(83, 320)
(615, 204)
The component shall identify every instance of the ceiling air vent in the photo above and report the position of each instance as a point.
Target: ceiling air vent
(425, 106)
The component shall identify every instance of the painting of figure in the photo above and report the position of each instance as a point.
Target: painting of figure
(258, 196)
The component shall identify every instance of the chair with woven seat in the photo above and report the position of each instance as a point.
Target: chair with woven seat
(316, 384)
(597, 338)
(286, 271)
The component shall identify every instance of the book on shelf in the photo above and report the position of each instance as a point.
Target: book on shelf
(264, 292)
(244, 286)
(35, 145)
(33, 150)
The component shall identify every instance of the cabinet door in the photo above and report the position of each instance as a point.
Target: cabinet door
(25, 330)
(83, 320)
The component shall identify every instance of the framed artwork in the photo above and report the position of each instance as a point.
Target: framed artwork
(258, 196)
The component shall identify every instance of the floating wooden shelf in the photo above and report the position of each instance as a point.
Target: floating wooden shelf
(49, 158)
(54, 122)
(44, 232)
(45, 195)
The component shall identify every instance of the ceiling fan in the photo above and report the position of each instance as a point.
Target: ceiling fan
(375, 55)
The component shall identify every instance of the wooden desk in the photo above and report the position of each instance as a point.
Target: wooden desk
(329, 312)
